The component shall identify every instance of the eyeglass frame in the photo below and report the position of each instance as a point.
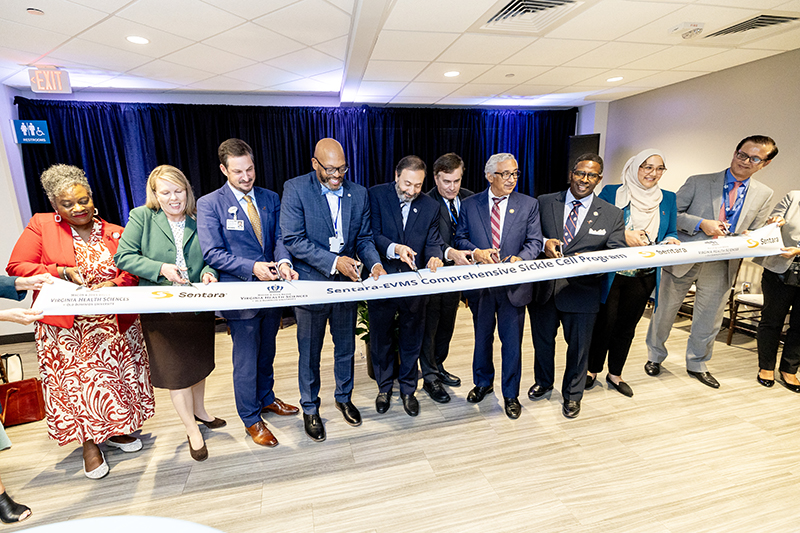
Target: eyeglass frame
(658, 170)
(331, 171)
(742, 156)
(508, 175)
(590, 175)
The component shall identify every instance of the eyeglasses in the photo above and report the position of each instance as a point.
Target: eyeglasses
(330, 171)
(581, 174)
(741, 156)
(650, 168)
(508, 176)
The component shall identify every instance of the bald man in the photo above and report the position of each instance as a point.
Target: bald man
(325, 223)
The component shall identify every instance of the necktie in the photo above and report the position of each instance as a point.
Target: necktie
(723, 214)
(454, 214)
(404, 212)
(255, 220)
(571, 228)
(496, 222)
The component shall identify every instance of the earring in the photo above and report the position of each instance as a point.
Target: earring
(95, 211)
(58, 218)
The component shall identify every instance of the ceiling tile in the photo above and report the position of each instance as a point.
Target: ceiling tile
(438, 90)
(310, 22)
(462, 100)
(204, 57)
(749, 4)
(393, 70)
(306, 62)
(610, 19)
(627, 77)
(29, 39)
(254, 42)
(674, 56)
(438, 15)
(551, 52)
(303, 85)
(114, 30)
(10, 56)
(792, 5)
(411, 100)
(383, 88)
(59, 16)
(532, 90)
(484, 48)
(372, 99)
(789, 40)
(105, 57)
(187, 18)
(262, 75)
(251, 9)
(435, 72)
(728, 59)
(566, 75)
(614, 94)
(500, 74)
(224, 84)
(106, 6)
(133, 82)
(485, 90)
(662, 79)
(332, 80)
(336, 47)
(614, 54)
(171, 72)
(344, 5)
(411, 45)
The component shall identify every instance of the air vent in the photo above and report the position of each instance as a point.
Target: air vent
(755, 23)
(530, 16)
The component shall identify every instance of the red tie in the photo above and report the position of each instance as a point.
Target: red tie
(496, 222)
(571, 228)
(731, 201)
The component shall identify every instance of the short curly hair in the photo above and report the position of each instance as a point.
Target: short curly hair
(59, 178)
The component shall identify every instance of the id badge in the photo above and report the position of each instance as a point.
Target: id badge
(336, 244)
(234, 224)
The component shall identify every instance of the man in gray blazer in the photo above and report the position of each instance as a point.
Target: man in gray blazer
(710, 206)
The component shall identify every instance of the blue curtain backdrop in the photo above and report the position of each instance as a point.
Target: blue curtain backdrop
(118, 144)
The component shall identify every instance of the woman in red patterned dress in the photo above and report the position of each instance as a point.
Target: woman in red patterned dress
(94, 368)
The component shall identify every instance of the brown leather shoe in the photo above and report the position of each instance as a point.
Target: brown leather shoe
(262, 435)
(280, 408)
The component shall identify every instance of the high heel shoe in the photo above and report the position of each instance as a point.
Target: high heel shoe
(198, 455)
(211, 424)
(791, 386)
(11, 511)
(765, 382)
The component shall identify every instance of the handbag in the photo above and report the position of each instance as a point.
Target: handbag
(10, 367)
(23, 402)
(792, 275)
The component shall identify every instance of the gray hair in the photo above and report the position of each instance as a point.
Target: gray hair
(491, 164)
(59, 178)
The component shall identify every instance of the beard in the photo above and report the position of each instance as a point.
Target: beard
(404, 197)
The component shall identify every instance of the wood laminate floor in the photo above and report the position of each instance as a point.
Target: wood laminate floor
(677, 457)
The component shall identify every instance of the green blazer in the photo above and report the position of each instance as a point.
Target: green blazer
(147, 243)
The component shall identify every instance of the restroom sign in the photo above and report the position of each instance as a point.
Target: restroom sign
(49, 80)
(31, 132)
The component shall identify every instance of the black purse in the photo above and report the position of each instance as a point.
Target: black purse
(792, 275)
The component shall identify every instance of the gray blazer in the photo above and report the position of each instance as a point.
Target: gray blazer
(701, 197)
(789, 209)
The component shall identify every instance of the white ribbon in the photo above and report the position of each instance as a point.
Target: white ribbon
(62, 298)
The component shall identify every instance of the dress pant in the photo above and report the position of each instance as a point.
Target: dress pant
(778, 298)
(578, 334)
(253, 354)
(440, 321)
(489, 310)
(311, 323)
(616, 321)
(713, 285)
(410, 321)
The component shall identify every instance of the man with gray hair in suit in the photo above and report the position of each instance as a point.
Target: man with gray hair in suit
(710, 206)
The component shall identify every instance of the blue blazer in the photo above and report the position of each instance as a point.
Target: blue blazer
(522, 234)
(7, 289)
(421, 233)
(306, 226)
(232, 253)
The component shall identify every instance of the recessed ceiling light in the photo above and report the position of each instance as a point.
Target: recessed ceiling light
(35, 11)
(451, 74)
(615, 78)
(135, 39)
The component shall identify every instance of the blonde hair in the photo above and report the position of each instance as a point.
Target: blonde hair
(175, 176)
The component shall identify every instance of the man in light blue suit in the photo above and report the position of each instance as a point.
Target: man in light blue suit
(240, 236)
(325, 222)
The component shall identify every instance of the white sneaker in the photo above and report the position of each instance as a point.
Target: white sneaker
(99, 472)
(129, 447)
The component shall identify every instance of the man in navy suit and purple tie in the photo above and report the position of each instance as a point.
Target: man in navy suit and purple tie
(238, 229)
(499, 225)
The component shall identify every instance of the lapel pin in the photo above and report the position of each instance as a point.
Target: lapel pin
(348, 195)
(415, 209)
(115, 235)
(510, 210)
(589, 222)
(595, 213)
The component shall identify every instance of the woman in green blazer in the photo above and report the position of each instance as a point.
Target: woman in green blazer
(160, 245)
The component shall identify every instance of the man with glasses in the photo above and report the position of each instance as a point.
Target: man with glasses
(499, 225)
(325, 221)
(573, 221)
(710, 206)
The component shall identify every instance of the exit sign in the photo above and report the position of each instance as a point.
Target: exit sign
(49, 81)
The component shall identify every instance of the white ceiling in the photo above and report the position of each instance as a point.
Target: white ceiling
(383, 51)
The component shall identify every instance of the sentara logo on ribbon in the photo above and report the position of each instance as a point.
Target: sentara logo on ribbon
(752, 243)
(161, 294)
(647, 254)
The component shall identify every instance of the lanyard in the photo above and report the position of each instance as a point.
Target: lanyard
(336, 218)
(726, 198)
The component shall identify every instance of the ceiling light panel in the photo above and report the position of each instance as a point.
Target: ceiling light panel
(436, 72)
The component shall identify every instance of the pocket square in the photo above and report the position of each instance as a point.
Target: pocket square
(601, 231)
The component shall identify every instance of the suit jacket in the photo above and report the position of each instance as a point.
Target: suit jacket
(148, 243)
(522, 234)
(580, 294)
(46, 244)
(7, 289)
(445, 222)
(421, 233)
(307, 227)
(233, 252)
(789, 209)
(700, 197)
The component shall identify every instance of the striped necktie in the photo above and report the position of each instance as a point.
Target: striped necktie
(571, 227)
(255, 220)
(496, 222)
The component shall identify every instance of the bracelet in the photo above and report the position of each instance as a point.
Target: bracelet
(63, 273)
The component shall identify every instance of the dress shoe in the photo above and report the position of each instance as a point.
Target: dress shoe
(537, 391)
(513, 408)
(478, 393)
(449, 379)
(652, 368)
(11, 511)
(383, 401)
(436, 391)
(792, 387)
(350, 413)
(571, 408)
(764, 382)
(198, 455)
(213, 424)
(410, 404)
(621, 387)
(590, 381)
(707, 379)
(261, 435)
(99, 472)
(280, 408)
(314, 427)
(127, 447)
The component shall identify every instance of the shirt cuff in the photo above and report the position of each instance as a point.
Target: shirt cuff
(333, 267)
(390, 251)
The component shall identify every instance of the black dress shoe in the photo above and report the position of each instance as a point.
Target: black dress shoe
(513, 408)
(537, 391)
(436, 391)
(350, 412)
(383, 401)
(706, 379)
(410, 404)
(590, 381)
(652, 368)
(479, 393)
(571, 408)
(623, 388)
(314, 427)
(764, 382)
(449, 379)
(790, 386)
